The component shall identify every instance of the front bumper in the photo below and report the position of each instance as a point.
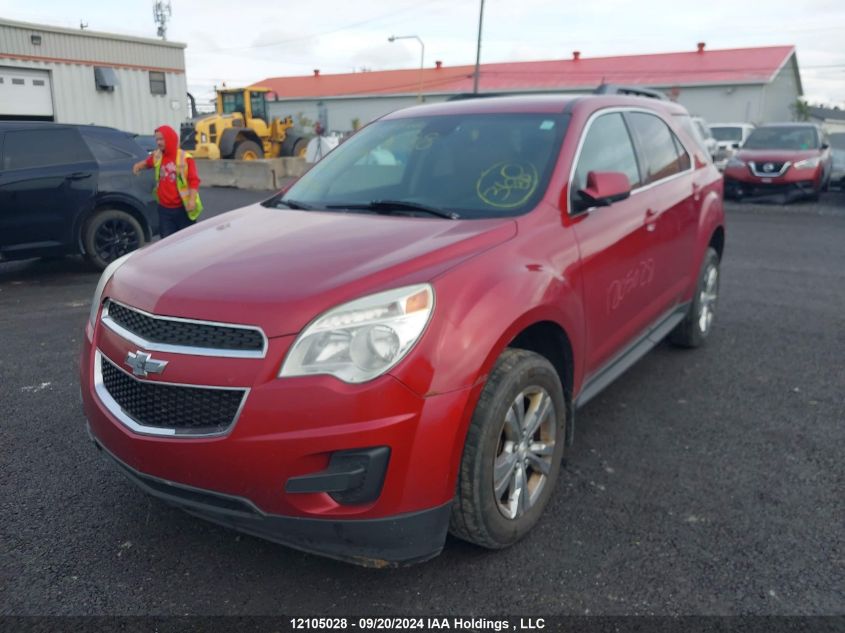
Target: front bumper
(259, 477)
(741, 182)
(388, 542)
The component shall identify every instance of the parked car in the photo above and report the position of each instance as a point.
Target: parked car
(147, 141)
(788, 158)
(69, 189)
(729, 138)
(389, 350)
(706, 137)
(837, 151)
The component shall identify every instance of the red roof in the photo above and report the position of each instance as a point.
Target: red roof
(739, 65)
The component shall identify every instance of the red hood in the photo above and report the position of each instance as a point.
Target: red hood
(279, 269)
(171, 141)
(776, 155)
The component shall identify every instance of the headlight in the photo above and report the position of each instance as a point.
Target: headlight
(808, 163)
(736, 162)
(101, 285)
(361, 340)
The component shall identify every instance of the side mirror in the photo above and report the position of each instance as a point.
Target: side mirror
(603, 189)
(735, 145)
(825, 146)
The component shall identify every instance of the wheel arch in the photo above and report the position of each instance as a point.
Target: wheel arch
(110, 202)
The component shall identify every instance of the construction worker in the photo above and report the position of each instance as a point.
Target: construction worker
(177, 183)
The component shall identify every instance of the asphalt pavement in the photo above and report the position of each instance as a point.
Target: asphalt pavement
(701, 482)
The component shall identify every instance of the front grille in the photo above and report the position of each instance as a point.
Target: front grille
(185, 333)
(190, 410)
(768, 169)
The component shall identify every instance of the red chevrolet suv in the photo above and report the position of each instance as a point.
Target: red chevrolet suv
(395, 346)
(790, 158)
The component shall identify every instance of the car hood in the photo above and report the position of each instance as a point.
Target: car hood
(279, 269)
(775, 155)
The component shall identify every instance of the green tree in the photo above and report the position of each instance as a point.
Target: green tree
(800, 110)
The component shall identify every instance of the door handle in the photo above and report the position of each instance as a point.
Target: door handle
(650, 217)
(78, 175)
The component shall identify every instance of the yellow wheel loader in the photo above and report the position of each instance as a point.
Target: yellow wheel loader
(239, 129)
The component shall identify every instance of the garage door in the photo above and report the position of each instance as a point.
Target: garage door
(25, 93)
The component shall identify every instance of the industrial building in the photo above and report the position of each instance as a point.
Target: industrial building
(755, 85)
(78, 76)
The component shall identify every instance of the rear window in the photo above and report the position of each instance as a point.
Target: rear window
(783, 137)
(43, 147)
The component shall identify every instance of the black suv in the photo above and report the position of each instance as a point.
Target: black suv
(70, 189)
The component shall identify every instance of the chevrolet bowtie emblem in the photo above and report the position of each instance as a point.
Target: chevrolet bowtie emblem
(143, 365)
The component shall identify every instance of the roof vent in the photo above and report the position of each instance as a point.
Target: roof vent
(701, 47)
(438, 64)
(576, 55)
(316, 72)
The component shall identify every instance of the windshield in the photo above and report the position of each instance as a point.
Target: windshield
(469, 165)
(730, 134)
(783, 137)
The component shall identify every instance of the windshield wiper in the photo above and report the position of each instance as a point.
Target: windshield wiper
(389, 206)
(293, 204)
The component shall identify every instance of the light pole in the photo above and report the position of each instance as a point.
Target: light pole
(477, 72)
(393, 38)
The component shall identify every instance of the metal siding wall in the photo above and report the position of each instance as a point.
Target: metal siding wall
(82, 47)
(130, 107)
(724, 104)
(342, 111)
(781, 94)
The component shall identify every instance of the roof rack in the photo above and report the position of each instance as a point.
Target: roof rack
(635, 91)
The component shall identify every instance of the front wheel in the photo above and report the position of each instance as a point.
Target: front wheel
(513, 452)
(696, 326)
(109, 234)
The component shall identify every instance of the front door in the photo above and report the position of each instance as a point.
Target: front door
(617, 264)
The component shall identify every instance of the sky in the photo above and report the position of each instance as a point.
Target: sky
(243, 41)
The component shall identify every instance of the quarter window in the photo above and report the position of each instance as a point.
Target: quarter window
(607, 147)
(664, 153)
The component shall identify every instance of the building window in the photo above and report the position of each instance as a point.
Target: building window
(17, 82)
(157, 83)
(37, 82)
(105, 78)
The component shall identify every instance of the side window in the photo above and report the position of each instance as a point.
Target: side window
(607, 147)
(41, 148)
(664, 154)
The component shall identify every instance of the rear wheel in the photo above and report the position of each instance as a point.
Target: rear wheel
(696, 326)
(109, 234)
(512, 453)
(248, 150)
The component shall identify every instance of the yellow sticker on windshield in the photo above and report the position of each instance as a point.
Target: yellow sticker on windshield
(507, 185)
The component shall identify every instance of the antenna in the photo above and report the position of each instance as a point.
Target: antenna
(161, 14)
(83, 25)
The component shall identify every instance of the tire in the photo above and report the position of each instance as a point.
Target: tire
(482, 513)
(109, 234)
(294, 146)
(248, 150)
(698, 322)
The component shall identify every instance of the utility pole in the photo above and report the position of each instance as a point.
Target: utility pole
(478, 52)
(161, 14)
